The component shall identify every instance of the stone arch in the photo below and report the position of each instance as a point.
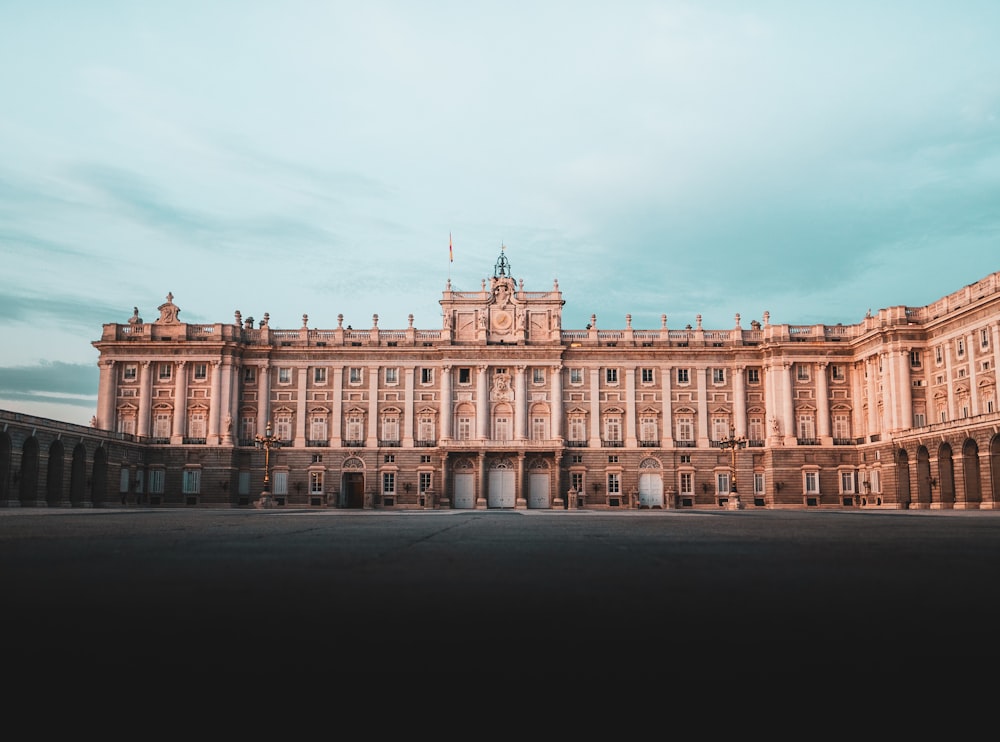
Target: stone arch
(970, 473)
(78, 477)
(6, 449)
(27, 476)
(99, 477)
(54, 475)
(946, 475)
(924, 486)
(995, 471)
(903, 478)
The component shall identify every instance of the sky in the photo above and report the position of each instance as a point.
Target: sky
(808, 159)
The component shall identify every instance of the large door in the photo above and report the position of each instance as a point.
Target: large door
(501, 493)
(538, 492)
(353, 491)
(650, 490)
(465, 491)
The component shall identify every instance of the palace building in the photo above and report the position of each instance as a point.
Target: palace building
(501, 407)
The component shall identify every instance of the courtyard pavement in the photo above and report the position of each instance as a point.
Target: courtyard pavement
(736, 596)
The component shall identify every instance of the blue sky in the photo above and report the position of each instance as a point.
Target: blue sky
(681, 158)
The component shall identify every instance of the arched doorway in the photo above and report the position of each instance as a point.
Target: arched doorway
(54, 477)
(995, 472)
(923, 477)
(352, 484)
(650, 484)
(27, 485)
(903, 478)
(946, 476)
(970, 474)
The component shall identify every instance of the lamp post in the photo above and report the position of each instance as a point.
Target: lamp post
(733, 443)
(267, 441)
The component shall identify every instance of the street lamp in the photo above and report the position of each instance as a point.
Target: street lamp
(267, 442)
(733, 443)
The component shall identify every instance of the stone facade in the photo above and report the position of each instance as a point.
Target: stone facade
(503, 408)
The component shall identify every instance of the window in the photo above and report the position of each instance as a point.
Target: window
(984, 338)
(758, 483)
(248, 428)
(425, 458)
(388, 483)
(156, 481)
(802, 372)
(577, 429)
(576, 458)
(876, 480)
(426, 376)
(200, 371)
(720, 428)
(846, 482)
(315, 483)
(718, 376)
(424, 481)
(392, 376)
(812, 482)
(937, 355)
(317, 458)
(191, 482)
(279, 483)
(685, 429)
(687, 483)
(647, 429)
(683, 376)
(284, 376)
(129, 372)
(614, 484)
(538, 376)
(721, 482)
(576, 480)
(841, 426)
(355, 428)
(501, 428)
(538, 428)
(425, 430)
(753, 375)
(249, 375)
(915, 359)
(464, 428)
(807, 428)
(390, 429)
(283, 427)
(389, 458)
(319, 375)
(124, 479)
(960, 347)
(465, 376)
(613, 459)
(756, 428)
(166, 371)
(611, 375)
(837, 373)
(647, 376)
(919, 420)
(162, 425)
(613, 429)
(354, 375)
(243, 483)
(196, 425)
(576, 376)
(685, 458)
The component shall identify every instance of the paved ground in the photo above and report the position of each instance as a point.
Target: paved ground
(675, 595)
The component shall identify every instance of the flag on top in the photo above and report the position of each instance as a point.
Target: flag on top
(451, 255)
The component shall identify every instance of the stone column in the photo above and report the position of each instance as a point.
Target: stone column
(106, 395)
(408, 405)
(668, 421)
(973, 388)
(446, 412)
(557, 402)
(263, 397)
(180, 403)
(823, 404)
(870, 368)
(949, 382)
(337, 412)
(739, 401)
(374, 423)
(520, 403)
(700, 375)
(788, 408)
(216, 404)
(301, 408)
(630, 414)
(145, 398)
(482, 403)
(595, 408)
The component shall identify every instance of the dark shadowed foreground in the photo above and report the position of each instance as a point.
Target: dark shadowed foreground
(678, 595)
